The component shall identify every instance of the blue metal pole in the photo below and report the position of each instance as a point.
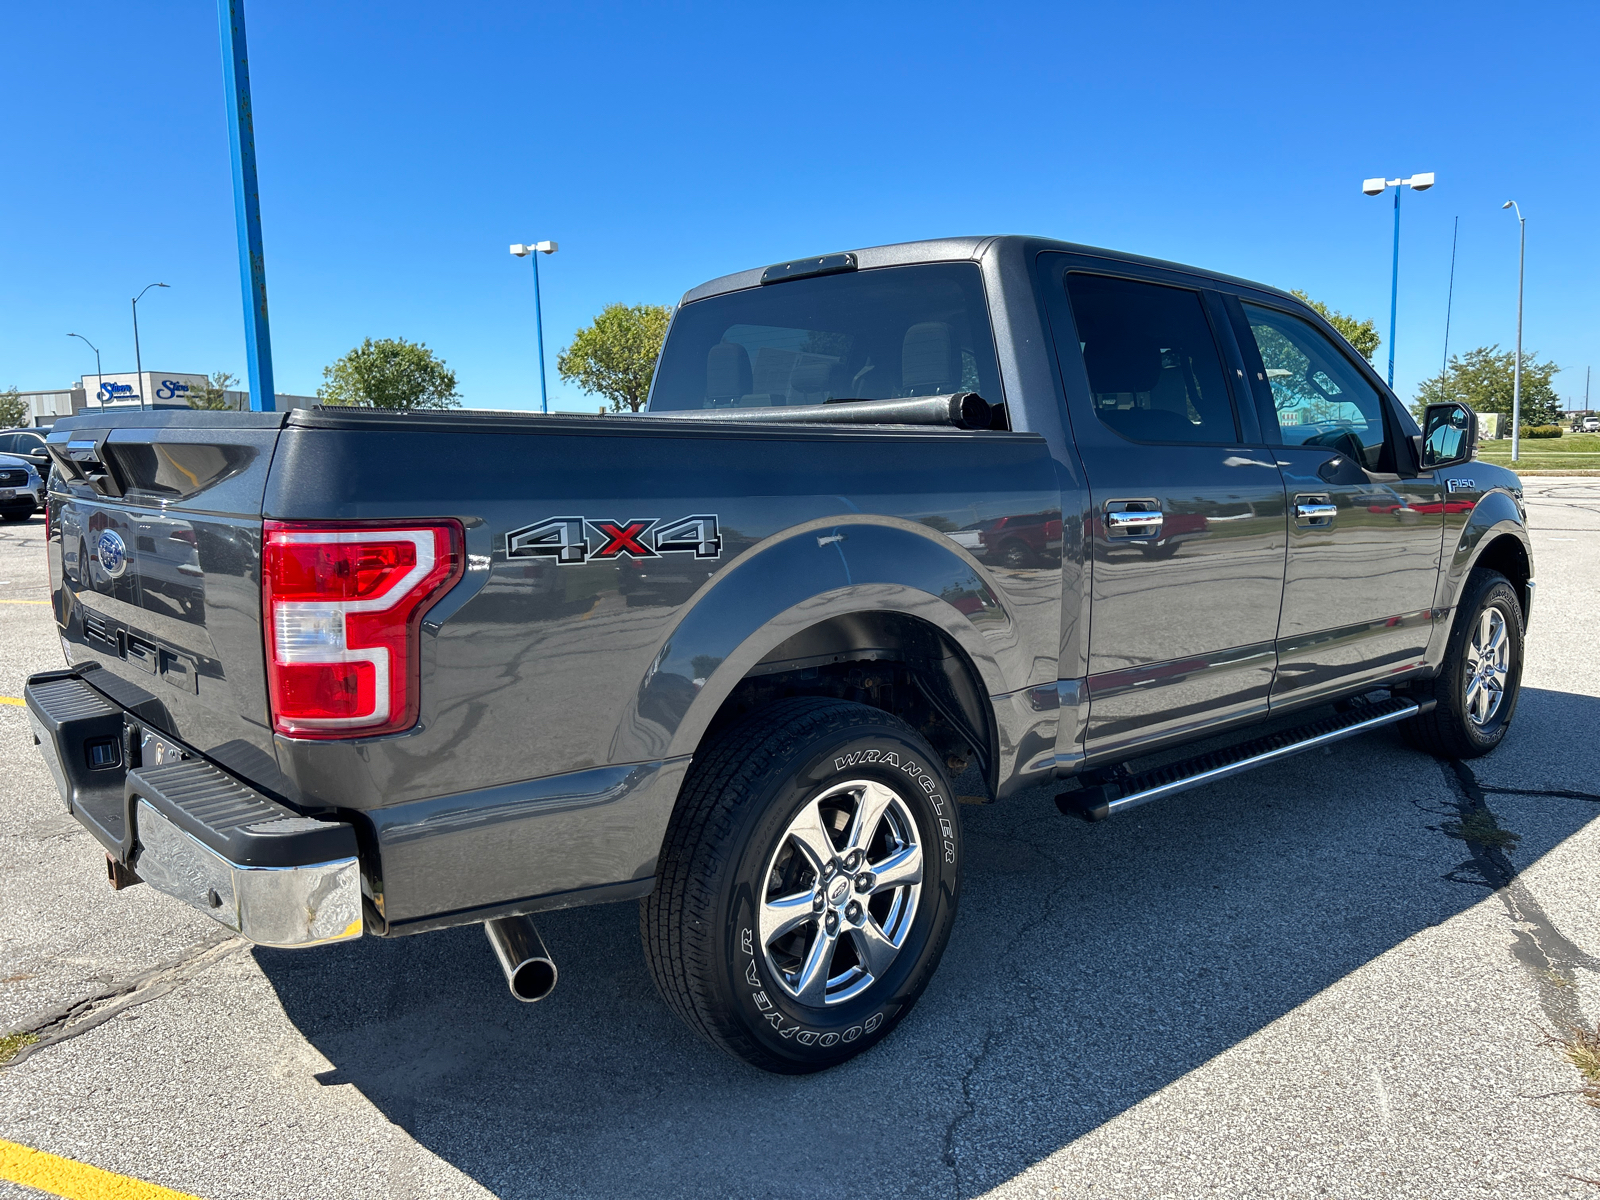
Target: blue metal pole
(538, 319)
(247, 204)
(1394, 281)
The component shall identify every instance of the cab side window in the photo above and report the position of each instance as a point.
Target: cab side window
(1154, 369)
(1318, 396)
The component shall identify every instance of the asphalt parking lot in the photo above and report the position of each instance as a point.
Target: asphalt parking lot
(1334, 977)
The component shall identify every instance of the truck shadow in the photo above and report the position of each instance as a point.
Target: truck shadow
(1090, 967)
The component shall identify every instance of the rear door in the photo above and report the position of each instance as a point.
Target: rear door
(1188, 506)
(1365, 526)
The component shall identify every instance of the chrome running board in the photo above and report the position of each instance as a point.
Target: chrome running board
(1099, 801)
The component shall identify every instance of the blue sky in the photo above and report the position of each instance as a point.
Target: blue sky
(404, 145)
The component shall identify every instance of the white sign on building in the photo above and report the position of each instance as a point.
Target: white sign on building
(153, 387)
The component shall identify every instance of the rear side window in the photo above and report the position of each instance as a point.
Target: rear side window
(1154, 369)
(1318, 396)
(863, 335)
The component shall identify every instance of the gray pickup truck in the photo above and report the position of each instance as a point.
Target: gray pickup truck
(337, 672)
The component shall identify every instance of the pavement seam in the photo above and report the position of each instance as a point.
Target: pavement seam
(81, 1016)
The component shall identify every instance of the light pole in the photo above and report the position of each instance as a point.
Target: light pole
(1516, 379)
(536, 249)
(99, 384)
(138, 363)
(1376, 187)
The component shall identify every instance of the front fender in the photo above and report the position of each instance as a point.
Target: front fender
(808, 575)
(1494, 514)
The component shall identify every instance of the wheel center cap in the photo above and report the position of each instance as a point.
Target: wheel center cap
(839, 890)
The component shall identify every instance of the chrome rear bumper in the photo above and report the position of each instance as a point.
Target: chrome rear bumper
(308, 905)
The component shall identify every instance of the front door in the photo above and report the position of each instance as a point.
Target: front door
(1365, 526)
(1187, 530)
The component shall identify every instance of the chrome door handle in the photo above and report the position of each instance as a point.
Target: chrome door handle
(1315, 514)
(1127, 521)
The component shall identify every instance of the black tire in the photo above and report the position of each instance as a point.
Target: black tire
(1449, 731)
(727, 842)
(16, 514)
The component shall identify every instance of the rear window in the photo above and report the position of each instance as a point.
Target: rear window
(865, 335)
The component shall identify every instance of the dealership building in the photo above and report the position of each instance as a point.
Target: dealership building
(158, 389)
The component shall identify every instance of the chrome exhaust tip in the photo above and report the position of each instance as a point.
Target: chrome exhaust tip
(530, 971)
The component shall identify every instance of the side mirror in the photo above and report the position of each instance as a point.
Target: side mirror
(1449, 435)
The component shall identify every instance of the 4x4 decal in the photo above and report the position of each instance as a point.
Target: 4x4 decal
(567, 539)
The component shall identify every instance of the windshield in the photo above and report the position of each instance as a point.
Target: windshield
(863, 335)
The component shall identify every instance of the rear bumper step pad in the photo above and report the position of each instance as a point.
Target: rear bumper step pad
(1097, 802)
(193, 831)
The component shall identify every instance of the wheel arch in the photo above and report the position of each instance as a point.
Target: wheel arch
(824, 595)
(1495, 535)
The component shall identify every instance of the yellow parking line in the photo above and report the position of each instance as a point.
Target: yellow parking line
(74, 1180)
(17, 700)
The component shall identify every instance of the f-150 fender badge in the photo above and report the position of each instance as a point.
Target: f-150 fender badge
(574, 540)
(1461, 485)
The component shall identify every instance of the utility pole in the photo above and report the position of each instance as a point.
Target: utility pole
(247, 204)
(138, 361)
(1516, 379)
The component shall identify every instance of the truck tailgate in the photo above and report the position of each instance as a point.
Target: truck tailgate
(155, 572)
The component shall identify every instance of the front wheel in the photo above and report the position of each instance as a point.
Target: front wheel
(807, 884)
(1479, 681)
(17, 514)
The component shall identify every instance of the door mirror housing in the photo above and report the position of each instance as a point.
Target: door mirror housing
(1449, 435)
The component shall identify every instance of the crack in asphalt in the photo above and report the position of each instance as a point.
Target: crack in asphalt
(1550, 957)
(79, 1017)
(1046, 910)
(1502, 791)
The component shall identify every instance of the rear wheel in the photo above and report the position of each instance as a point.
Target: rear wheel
(807, 885)
(1478, 684)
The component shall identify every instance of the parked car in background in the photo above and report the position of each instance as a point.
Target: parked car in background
(21, 488)
(28, 444)
(1591, 425)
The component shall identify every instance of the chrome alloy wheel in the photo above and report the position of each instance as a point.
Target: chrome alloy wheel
(1488, 663)
(841, 893)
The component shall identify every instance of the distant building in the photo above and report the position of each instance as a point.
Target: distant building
(162, 389)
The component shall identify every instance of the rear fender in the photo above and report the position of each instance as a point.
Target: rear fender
(812, 574)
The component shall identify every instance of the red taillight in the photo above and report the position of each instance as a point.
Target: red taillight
(342, 606)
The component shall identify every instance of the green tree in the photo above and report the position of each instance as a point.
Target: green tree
(1482, 379)
(390, 373)
(616, 356)
(212, 394)
(13, 408)
(1363, 335)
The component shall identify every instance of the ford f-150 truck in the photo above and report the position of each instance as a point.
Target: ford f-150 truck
(337, 672)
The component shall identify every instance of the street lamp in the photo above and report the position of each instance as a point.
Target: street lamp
(536, 249)
(1516, 379)
(138, 363)
(1376, 187)
(99, 384)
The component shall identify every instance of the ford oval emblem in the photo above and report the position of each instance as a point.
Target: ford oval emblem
(113, 553)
